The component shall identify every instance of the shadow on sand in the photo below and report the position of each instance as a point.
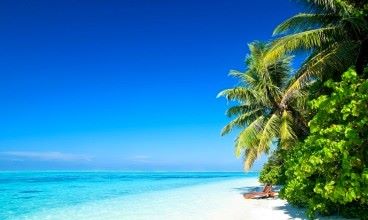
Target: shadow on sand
(293, 212)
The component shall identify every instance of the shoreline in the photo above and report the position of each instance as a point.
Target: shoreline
(215, 200)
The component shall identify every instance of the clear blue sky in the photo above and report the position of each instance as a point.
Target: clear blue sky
(127, 85)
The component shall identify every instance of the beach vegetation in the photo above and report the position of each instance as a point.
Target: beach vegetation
(273, 171)
(258, 113)
(312, 122)
(328, 171)
(333, 32)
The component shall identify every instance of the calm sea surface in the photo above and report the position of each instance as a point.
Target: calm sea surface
(24, 193)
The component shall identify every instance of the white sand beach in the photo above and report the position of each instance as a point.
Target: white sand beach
(218, 200)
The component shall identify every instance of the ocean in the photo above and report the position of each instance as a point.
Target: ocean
(104, 195)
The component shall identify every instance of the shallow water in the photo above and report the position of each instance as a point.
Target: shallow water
(48, 195)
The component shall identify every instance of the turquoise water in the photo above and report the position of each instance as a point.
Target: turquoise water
(26, 193)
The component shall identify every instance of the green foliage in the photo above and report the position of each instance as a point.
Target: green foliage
(259, 114)
(329, 170)
(334, 32)
(323, 167)
(273, 172)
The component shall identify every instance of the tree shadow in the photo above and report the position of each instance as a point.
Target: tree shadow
(292, 211)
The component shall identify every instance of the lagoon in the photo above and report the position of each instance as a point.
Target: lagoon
(108, 195)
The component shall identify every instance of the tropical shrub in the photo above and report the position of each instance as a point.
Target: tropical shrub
(273, 172)
(328, 171)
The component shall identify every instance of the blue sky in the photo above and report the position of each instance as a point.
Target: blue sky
(128, 85)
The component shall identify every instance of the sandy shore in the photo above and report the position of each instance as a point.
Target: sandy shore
(218, 200)
(234, 206)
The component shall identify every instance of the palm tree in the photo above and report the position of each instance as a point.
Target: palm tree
(335, 34)
(259, 113)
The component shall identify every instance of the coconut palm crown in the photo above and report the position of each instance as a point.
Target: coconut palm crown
(333, 32)
(259, 114)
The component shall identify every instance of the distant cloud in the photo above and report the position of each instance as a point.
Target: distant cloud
(141, 158)
(46, 156)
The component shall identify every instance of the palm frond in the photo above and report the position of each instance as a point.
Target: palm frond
(335, 6)
(260, 90)
(355, 26)
(250, 156)
(279, 71)
(307, 40)
(257, 49)
(236, 74)
(331, 60)
(304, 22)
(241, 121)
(270, 131)
(237, 94)
(287, 135)
(241, 109)
(248, 138)
(246, 78)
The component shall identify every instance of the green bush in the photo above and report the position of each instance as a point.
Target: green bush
(273, 171)
(328, 171)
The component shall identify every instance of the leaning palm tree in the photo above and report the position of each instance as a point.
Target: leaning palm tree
(334, 33)
(259, 115)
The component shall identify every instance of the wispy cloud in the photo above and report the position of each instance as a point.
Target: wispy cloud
(141, 158)
(46, 156)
